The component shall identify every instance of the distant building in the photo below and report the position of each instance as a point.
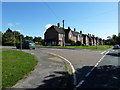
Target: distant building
(56, 35)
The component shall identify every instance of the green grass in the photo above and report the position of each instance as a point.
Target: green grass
(100, 47)
(0, 69)
(15, 66)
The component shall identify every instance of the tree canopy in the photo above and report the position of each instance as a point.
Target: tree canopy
(113, 40)
(10, 37)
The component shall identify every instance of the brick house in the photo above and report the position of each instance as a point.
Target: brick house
(56, 35)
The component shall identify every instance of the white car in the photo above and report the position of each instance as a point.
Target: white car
(116, 46)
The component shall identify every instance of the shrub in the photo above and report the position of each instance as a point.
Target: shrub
(78, 43)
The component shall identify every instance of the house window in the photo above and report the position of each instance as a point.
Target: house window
(70, 36)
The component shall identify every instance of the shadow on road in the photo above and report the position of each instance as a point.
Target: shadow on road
(114, 54)
(101, 77)
(54, 82)
(107, 76)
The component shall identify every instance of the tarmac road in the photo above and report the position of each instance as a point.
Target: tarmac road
(106, 74)
(83, 60)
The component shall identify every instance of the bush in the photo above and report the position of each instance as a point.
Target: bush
(72, 42)
(78, 43)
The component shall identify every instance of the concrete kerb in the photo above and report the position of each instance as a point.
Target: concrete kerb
(71, 70)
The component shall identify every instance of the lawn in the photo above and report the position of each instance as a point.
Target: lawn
(100, 47)
(15, 66)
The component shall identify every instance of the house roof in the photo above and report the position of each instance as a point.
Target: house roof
(59, 29)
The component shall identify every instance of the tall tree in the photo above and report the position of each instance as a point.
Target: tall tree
(8, 37)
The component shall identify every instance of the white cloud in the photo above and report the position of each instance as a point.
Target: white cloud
(18, 30)
(17, 23)
(47, 26)
(10, 24)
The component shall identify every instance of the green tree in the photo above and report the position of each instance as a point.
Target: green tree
(28, 38)
(37, 39)
(8, 37)
(113, 40)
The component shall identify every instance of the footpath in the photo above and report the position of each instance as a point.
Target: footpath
(48, 73)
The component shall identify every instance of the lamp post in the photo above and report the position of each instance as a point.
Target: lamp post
(96, 42)
(21, 42)
(109, 37)
(63, 35)
(14, 38)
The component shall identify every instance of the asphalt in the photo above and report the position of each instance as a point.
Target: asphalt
(106, 74)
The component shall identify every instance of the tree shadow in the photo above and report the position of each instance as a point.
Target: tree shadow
(107, 76)
(54, 82)
(114, 54)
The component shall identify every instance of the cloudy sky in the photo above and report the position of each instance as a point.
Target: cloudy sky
(32, 18)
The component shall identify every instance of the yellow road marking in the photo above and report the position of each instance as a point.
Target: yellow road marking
(72, 67)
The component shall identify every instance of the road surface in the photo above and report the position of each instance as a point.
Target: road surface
(93, 68)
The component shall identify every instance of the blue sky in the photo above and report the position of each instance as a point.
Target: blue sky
(31, 18)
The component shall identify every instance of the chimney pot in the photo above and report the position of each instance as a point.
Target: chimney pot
(80, 32)
(68, 27)
(74, 29)
(58, 24)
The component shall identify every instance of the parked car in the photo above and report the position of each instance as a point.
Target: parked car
(116, 46)
(27, 44)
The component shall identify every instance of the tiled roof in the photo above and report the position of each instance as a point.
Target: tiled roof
(59, 29)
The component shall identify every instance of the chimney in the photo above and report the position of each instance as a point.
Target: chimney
(58, 24)
(68, 27)
(74, 30)
(80, 32)
(63, 23)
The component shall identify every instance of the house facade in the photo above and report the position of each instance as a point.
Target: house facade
(56, 35)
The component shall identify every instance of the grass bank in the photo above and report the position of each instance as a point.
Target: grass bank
(15, 66)
(99, 47)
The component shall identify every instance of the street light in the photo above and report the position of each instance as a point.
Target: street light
(14, 38)
(63, 34)
(20, 42)
(109, 37)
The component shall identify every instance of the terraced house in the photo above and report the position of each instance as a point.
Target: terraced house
(56, 35)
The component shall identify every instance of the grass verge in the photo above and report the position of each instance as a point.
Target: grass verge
(15, 66)
(99, 47)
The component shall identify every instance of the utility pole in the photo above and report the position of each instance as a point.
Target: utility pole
(14, 38)
(63, 35)
(96, 42)
(21, 42)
